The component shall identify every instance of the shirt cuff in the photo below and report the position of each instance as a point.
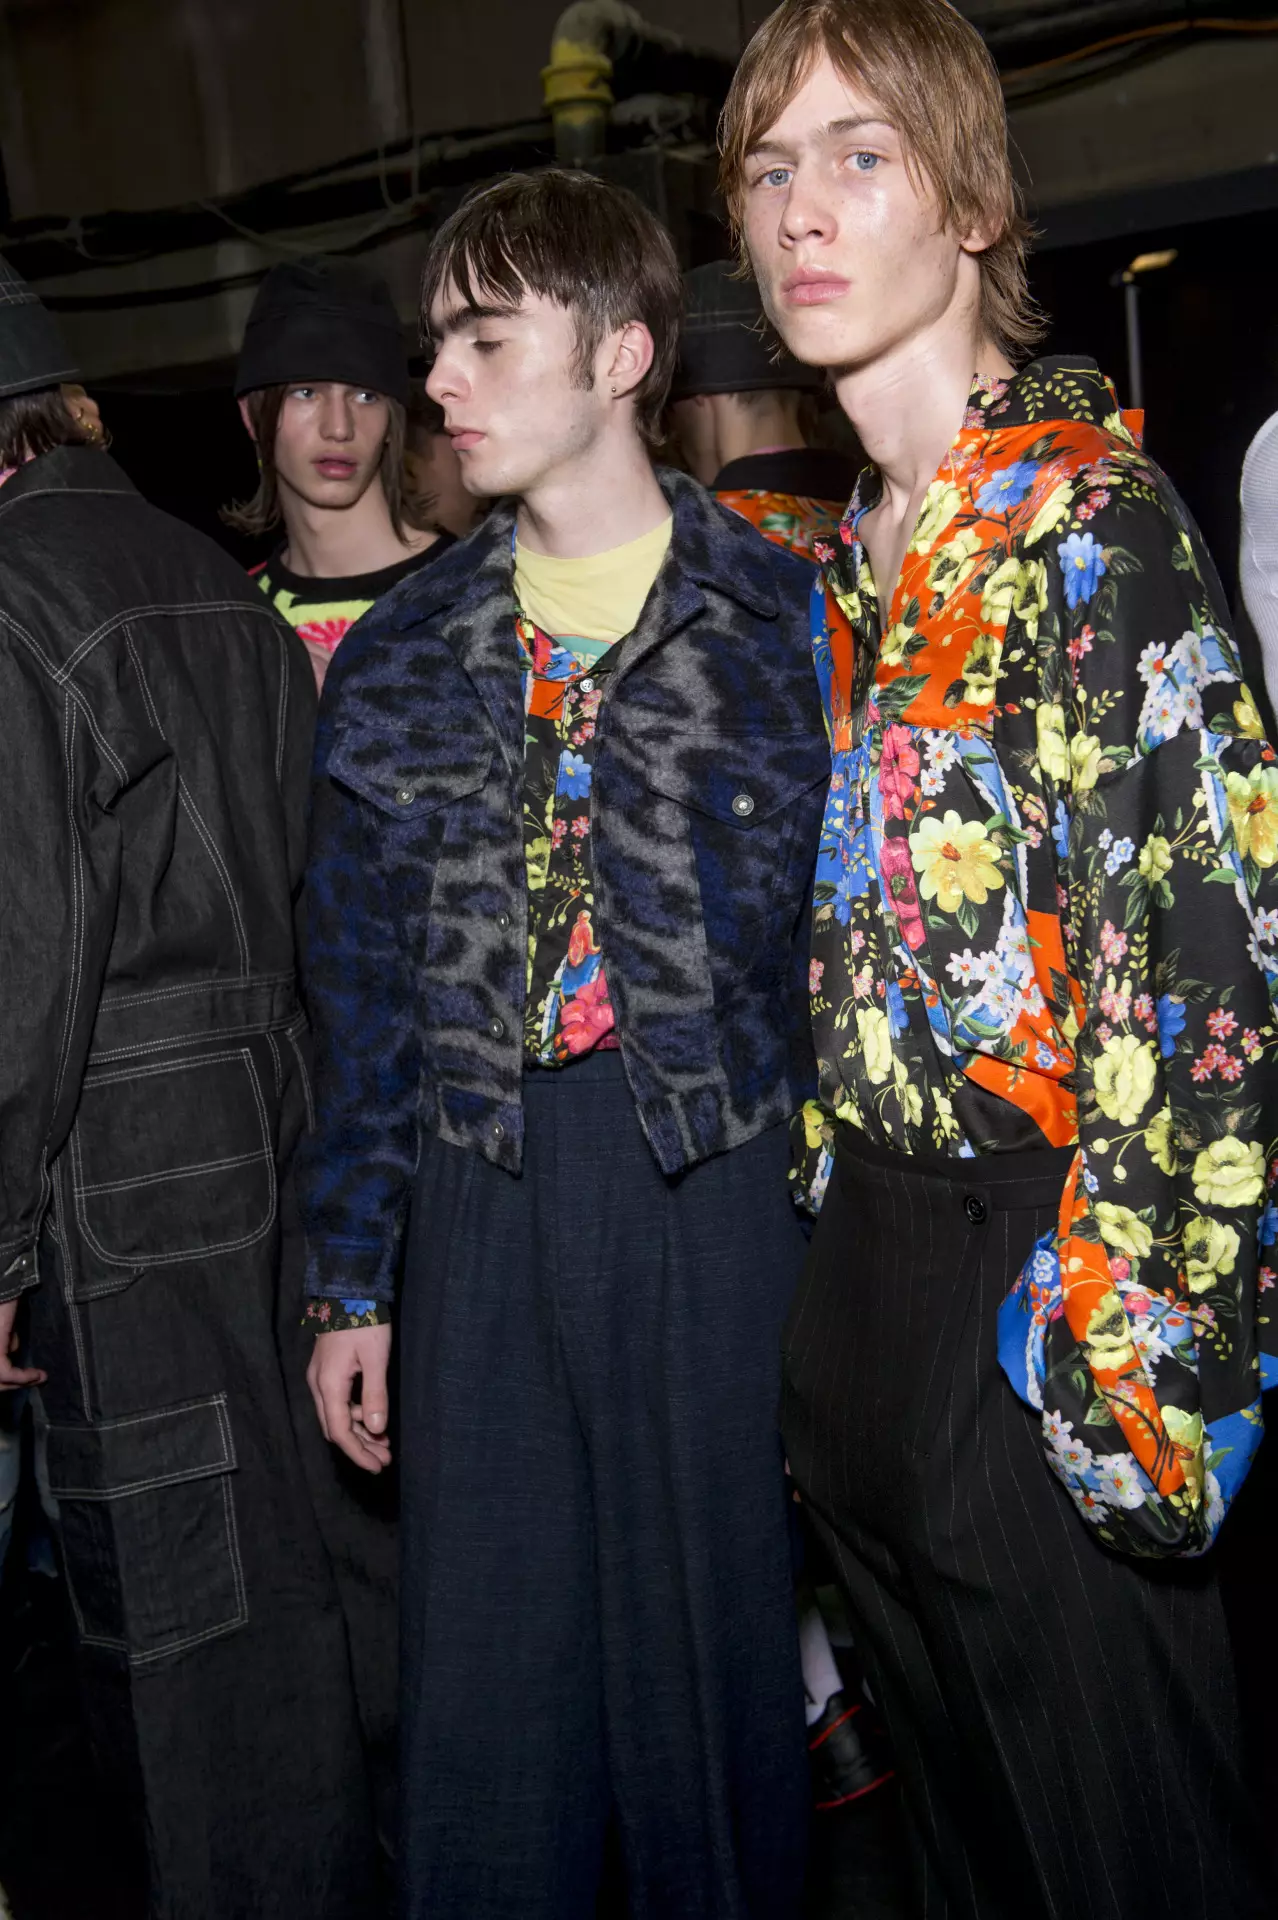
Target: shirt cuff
(331, 1315)
(18, 1272)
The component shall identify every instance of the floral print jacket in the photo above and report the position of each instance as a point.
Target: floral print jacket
(1047, 913)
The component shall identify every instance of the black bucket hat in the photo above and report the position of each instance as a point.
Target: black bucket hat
(318, 319)
(725, 345)
(33, 353)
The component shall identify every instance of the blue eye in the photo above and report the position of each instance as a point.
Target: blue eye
(866, 162)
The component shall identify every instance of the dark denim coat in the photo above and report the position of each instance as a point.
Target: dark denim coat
(709, 781)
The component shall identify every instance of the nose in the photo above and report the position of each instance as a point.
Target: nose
(337, 414)
(444, 382)
(808, 211)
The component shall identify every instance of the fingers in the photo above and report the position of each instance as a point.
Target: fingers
(357, 1428)
(11, 1376)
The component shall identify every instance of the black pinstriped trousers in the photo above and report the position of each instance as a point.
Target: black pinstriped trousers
(1065, 1721)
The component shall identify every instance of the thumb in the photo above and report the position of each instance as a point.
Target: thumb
(374, 1404)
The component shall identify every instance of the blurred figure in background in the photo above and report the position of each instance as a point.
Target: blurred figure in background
(434, 471)
(1258, 556)
(322, 384)
(157, 732)
(742, 409)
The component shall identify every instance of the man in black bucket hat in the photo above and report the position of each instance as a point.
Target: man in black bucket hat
(157, 734)
(742, 409)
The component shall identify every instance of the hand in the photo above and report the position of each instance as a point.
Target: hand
(358, 1427)
(11, 1376)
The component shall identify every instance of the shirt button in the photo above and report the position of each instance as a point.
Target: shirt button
(586, 686)
(743, 806)
(496, 1027)
(405, 796)
(975, 1209)
(503, 921)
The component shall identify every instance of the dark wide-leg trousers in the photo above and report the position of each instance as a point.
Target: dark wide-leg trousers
(1065, 1721)
(598, 1617)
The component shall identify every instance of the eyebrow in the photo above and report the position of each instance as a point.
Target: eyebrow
(467, 313)
(832, 130)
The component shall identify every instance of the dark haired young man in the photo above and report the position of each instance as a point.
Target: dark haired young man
(434, 471)
(1045, 957)
(737, 406)
(565, 816)
(322, 384)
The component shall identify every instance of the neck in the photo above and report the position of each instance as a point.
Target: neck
(768, 420)
(907, 406)
(323, 543)
(606, 496)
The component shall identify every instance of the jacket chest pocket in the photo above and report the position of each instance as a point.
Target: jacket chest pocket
(410, 774)
(171, 1160)
(752, 807)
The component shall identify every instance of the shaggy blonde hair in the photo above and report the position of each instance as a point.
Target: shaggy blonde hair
(933, 77)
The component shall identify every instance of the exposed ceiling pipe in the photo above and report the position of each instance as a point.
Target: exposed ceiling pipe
(595, 42)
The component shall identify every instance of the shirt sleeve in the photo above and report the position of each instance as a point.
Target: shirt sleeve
(1140, 1327)
(339, 1316)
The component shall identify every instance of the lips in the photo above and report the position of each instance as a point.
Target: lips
(335, 469)
(463, 437)
(814, 289)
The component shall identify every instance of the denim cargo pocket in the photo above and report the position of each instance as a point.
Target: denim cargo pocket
(171, 1161)
(147, 1517)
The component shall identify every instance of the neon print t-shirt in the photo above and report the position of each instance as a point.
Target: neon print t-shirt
(322, 611)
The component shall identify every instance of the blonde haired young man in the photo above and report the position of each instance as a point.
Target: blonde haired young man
(1041, 988)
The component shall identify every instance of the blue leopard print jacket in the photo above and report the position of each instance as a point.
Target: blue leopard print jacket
(710, 775)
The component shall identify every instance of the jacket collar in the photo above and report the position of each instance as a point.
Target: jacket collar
(66, 470)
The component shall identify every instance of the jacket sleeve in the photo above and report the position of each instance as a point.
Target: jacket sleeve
(1140, 1328)
(59, 877)
(356, 1167)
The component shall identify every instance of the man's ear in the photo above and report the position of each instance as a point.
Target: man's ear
(980, 239)
(246, 417)
(627, 356)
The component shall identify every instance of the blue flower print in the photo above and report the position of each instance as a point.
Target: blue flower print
(1267, 1227)
(1082, 563)
(1060, 831)
(574, 776)
(1007, 487)
(894, 1001)
(851, 886)
(1171, 1021)
(1119, 854)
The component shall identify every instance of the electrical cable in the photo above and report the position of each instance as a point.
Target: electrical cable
(1164, 30)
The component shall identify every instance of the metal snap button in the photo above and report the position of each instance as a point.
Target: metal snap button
(975, 1209)
(406, 796)
(587, 685)
(743, 806)
(503, 921)
(497, 1131)
(497, 1028)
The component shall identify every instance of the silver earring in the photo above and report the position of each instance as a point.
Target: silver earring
(614, 389)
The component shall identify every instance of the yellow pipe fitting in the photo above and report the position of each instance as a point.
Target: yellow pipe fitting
(577, 97)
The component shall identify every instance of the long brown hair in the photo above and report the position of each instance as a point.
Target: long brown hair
(258, 515)
(36, 423)
(933, 76)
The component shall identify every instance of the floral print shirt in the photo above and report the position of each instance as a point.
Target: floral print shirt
(792, 520)
(1047, 913)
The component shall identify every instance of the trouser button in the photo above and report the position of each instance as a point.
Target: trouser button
(975, 1209)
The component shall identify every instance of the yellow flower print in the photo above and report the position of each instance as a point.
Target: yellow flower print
(1121, 1228)
(1051, 513)
(1185, 1431)
(1160, 1141)
(910, 1098)
(1016, 587)
(956, 859)
(876, 1043)
(1124, 1079)
(954, 563)
(1247, 716)
(1085, 754)
(1253, 812)
(980, 669)
(945, 1114)
(1108, 1339)
(1155, 859)
(847, 1109)
(1230, 1173)
(895, 641)
(815, 1122)
(1211, 1248)
(1053, 747)
(940, 504)
(1118, 429)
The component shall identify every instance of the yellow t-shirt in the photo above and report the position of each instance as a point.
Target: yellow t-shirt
(597, 598)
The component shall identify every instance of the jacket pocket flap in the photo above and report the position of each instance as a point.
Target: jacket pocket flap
(741, 778)
(143, 1450)
(409, 771)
